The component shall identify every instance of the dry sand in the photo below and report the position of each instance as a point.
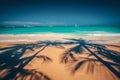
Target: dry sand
(56, 70)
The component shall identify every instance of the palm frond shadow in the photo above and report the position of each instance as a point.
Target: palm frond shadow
(14, 71)
(68, 55)
(112, 45)
(90, 66)
(10, 57)
(110, 54)
(12, 54)
(44, 58)
(31, 75)
(94, 50)
(89, 63)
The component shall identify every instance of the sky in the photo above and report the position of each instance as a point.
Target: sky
(81, 12)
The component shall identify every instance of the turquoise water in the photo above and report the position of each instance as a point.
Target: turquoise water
(59, 29)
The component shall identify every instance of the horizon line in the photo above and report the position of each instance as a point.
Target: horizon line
(32, 23)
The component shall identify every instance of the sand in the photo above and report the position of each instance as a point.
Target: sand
(54, 36)
(54, 69)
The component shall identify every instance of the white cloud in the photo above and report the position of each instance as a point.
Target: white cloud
(28, 23)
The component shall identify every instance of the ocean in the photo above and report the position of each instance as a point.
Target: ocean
(36, 33)
(76, 30)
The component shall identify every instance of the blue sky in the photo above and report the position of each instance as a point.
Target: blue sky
(82, 12)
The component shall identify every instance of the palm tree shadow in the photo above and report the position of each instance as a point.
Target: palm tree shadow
(10, 55)
(94, 50)
(14, 71)
(12, 60)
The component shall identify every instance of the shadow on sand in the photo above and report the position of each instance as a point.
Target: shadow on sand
(99, 51)
(12, 60)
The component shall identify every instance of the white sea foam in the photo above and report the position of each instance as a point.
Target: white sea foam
(57, 36)
(106, 34)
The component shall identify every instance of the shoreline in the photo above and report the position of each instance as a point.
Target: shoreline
(57, 37)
